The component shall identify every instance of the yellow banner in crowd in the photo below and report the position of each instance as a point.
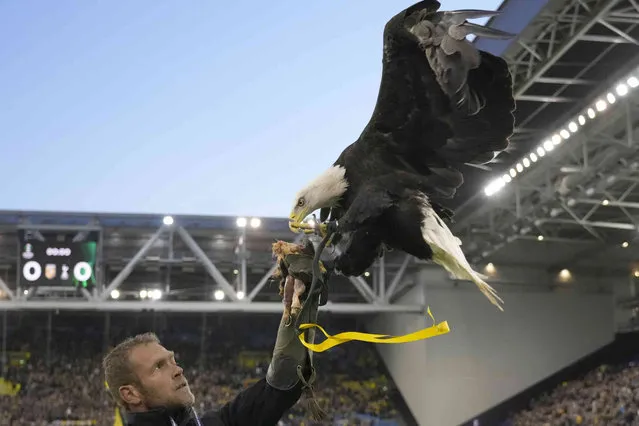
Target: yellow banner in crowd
(7, 388)
(117, 416)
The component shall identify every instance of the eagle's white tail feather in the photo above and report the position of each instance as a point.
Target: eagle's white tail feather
(447, 252)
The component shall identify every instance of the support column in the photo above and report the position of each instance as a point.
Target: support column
(106, 333)
(381, 282)
(19, 291)
(49, 331)
(101, 267)
(243, 254)
(169, 266)
(202, 359)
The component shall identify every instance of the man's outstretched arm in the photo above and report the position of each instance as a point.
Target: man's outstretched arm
(265, 402)
(290, 370)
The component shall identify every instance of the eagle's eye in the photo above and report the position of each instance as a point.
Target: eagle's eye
(301, 202)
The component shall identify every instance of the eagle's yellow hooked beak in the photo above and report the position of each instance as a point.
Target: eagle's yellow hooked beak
(296, 221)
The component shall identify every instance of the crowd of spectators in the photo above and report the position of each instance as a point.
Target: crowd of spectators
(65, 382)
(62, 379)
(607, 396)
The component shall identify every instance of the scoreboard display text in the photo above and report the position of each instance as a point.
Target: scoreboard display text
(58, 258)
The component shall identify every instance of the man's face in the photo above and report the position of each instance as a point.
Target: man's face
(163, 384)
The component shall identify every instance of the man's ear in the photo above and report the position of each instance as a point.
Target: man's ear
(130, 395)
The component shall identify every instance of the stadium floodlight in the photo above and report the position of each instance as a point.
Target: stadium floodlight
(143, 294)
(241, 222)
(565, 274)
(218, 295)
(155, 294)
(601, 105)
(256, 222)
(115, 294)
(621, 88)
(168, 220)
(240, 295)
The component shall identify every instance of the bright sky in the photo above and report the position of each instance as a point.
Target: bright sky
(192, 107)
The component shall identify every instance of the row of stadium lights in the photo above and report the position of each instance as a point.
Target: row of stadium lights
(144, 294)
(625, 244)
(157, 294)
(622, 89)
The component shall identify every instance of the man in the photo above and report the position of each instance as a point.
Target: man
(149, 386)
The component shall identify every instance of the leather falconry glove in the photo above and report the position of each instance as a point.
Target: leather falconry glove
(292, 362)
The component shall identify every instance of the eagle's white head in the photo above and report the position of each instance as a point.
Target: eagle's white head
(325, 190)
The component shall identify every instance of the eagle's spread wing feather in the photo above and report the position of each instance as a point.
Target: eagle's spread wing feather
(441, 102)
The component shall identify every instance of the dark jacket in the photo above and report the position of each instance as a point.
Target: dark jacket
(258, 405)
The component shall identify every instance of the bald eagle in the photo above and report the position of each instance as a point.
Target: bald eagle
(442, 105)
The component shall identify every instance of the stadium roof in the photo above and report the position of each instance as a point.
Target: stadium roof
(564, 195)
(186, 258)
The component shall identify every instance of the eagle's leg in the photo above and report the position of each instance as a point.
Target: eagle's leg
(322, 229)
(288, 293)
(361, 252)
(298, 290)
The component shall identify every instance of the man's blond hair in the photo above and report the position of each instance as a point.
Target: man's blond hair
(118, 370)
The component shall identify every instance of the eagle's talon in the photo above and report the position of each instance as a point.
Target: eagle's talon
(298, 227)
(308, 229)
(322, 229)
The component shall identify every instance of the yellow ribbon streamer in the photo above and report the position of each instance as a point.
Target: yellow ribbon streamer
(338, 339)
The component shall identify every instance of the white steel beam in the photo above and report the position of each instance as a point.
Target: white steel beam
(4, 287)
(260, 285)
(164, 306)
(126, 271)
(52, 227)
(594, 224)
(227, 288)
(397, 278)
(380, 271)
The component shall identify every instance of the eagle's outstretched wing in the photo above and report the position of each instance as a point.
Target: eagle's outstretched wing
(441, 103)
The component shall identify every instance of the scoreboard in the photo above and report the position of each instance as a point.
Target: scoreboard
(58, 258)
